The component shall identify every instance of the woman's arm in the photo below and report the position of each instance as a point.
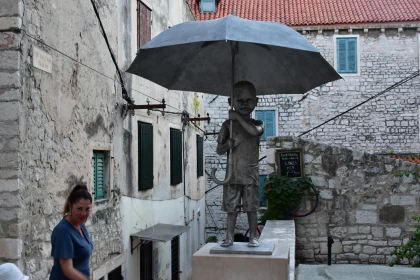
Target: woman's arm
(70, 271)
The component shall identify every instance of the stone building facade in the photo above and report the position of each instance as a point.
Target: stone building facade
(60, 113)
(387, 123)
(362, 204)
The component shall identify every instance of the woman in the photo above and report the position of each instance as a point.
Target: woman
(71, 244)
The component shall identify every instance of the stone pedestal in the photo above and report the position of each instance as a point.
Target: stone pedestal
(208, 266)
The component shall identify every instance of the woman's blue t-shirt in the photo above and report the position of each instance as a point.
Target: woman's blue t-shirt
(68, 243)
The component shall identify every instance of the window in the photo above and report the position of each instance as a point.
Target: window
(263, 202)
(145, 156)
(176, 156)
(208, 6)
(116, 274)
(99, 174)
(144, 24)
(269, 119)
(146, 261)
(175, 258)
(347, 54)
(200, 153)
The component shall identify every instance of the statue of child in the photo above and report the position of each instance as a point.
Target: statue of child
(244, 184)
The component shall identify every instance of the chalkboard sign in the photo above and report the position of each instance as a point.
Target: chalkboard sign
(289, 163)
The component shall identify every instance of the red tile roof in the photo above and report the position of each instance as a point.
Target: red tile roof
(316, 12)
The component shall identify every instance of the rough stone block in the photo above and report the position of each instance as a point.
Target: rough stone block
(9, 214)
(10, 79)
(392, 214)
(338, 231)
(366, 217)
(385, 251)
(369, 250)
(305, 254)
(10, 59)
(393, 232)
(10, 248)
(378, 242)
(378, 232)
(10, 23)
(9, 95)
(364, 229)
(357, 249)
(377, 259)
(8, 159)
(363, 257)
(9, 185)
(8, 199)
(336, 248)
(9, 40)
(10, 8)
(9, 111)
(403, 200)
(394, 242)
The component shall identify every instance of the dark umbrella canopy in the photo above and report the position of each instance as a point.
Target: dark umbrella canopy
(197, 56)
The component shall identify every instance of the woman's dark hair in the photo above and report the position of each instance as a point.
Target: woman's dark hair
(77, 193)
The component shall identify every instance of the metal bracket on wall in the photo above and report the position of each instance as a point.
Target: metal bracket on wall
(210, 133)
(148, 107)
(141, 243)
(199, 119)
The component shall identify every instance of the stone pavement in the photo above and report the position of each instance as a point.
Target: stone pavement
(356, 272)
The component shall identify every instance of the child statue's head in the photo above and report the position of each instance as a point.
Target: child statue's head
(244, 98)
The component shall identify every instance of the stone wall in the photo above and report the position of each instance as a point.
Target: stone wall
(362, 204)
(50, 123)
(384, 124)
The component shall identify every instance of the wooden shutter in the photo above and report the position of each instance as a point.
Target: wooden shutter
(200, 156)
(144, 24)
(145, 156)
(347, 55)
(269, 119)
(263, 202)
(176, 156)
(99, 174)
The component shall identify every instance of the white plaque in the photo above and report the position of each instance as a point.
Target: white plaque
(42, 60)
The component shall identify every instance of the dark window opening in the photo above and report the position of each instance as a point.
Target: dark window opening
(116, 274)
(176, 156)
(145, 156)
(175, 258)
(146, 261)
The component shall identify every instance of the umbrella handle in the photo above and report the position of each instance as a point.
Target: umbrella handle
(228, 173)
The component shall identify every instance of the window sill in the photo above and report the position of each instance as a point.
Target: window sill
(101, 201)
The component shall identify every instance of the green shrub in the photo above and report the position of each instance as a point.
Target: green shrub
(211, 239)
(410, 250)
(283, 194)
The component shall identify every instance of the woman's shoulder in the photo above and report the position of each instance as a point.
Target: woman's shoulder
(62, 227)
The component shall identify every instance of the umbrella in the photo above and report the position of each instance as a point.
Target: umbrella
(210, 56)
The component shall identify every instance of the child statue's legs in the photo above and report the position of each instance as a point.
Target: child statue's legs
(231, 222)
(253, 224)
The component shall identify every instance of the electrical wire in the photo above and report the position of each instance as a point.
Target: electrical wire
(403, 81)
(124, 91)
(98, 72)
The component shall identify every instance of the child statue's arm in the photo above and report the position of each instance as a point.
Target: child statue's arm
(255, 128)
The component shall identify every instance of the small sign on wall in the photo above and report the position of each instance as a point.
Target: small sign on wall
(41, 60)
(289, 163)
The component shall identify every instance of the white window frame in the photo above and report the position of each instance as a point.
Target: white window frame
(276, 112)
(357, 36)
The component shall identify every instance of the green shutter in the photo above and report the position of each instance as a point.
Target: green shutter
(145, 156)
(176, 156)
(99, 174)
(269, 119)
(263, 202)
(200, 156)
(347, 55)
